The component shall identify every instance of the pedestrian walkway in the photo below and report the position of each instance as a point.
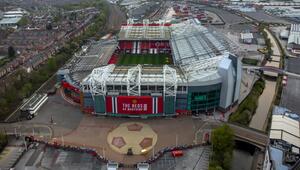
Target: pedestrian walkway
(265, 100)
(264, 104)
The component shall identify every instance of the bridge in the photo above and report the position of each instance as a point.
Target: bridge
(272, 69)
(249, 135)
(243, 133)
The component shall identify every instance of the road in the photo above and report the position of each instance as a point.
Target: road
(227, 17)
(273, 69)
(264, 104)
(265, 101)
(116, 18)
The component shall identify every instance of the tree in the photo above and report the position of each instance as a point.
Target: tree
(23, 21)
(49, 26)
(3, 141)
(26, 90)
(222, 143)
(11, 52)
(215, 168)
(51, 65)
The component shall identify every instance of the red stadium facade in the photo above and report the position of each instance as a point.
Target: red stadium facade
(145, 38)
(145, 47)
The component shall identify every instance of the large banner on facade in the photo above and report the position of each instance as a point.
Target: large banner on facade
(134, 104)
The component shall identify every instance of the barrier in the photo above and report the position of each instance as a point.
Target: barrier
(93, 152)
(171, 149)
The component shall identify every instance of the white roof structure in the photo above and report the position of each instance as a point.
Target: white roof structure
(197, 54)
(133, 77)
(284, 34)
(286, 129)
(5, 21)
(294, 36)
(246, 36)
(285, 126)
(144, 31)
(198, 51)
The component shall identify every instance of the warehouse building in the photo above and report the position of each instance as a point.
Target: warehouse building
(9, 22)
(294, 39)
(283, 152)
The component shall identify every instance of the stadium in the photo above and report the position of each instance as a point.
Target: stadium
(155, 69)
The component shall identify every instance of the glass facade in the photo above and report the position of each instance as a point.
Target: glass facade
(203, 101)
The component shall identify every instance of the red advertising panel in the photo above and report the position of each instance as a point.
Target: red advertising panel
(134, 104)
(159, 44)
(160, 104)
(109, 104)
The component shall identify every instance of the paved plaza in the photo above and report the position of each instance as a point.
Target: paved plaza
(71, 127)
(98, 131)
(132, 136)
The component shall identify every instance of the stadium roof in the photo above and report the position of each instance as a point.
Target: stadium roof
(197, 50)
(150, 75)
(197, 54)
(145, 31)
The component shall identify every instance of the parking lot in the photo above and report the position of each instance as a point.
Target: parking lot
(291, 95)
(228, 17)
(291, 92)
(263, 17)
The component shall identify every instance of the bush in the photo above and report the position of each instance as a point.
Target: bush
(222, 143)
(248, 107)
(3, 141)
(250, 61)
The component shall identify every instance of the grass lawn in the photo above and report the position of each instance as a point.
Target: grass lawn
(155, 59)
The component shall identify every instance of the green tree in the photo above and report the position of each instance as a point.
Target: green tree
(11, 52)
(215, 168)
(26, 90)
(222, 143)
(3, 141)
(51, 65)
(23, 21)
(3, 105)
(49, 26)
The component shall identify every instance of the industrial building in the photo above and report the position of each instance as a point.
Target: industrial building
(205, 74)
(247, 38)
(294, 39)
(10, 19)
(283, 152)
(9, 22)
